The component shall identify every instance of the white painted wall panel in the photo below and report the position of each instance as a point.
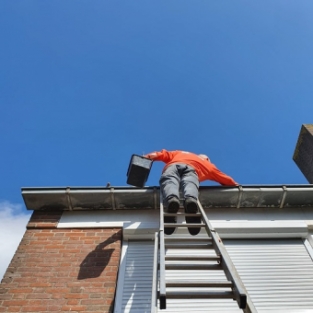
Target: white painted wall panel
(143, 223)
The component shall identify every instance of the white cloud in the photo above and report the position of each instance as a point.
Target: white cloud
(12, 228)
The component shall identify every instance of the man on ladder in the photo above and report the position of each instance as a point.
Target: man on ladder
(184, 170)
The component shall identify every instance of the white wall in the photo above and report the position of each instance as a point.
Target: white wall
(228, 222)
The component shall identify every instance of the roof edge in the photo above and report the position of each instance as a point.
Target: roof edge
(112, 198)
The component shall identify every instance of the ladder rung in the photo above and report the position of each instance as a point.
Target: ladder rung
(190, 246)
(197, 283)
(192, 258)
(175, 266)
(193, 225)
(199, 294)
(182, 214)
(192, 239)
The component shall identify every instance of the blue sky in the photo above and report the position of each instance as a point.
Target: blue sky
(85, 84)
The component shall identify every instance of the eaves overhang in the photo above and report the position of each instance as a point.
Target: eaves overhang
(126, 198)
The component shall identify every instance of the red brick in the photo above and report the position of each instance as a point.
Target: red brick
(73, 302)
(44, 235)
(31, 225)
(14, 303)
(88, 242)
(21, 290)
(76, 234)
(53, 308)
(34, 308)
(40, 284)
(78, 308)
(6, 297)
(76, 296)
(41, 295)
(93, 301)
(18, 296)
(14, 309)
(97, 296)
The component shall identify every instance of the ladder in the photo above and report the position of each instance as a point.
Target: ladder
(163, 289)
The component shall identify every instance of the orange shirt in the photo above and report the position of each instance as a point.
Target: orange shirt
(204, 168)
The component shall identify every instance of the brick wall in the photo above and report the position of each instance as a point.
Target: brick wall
(62, 270)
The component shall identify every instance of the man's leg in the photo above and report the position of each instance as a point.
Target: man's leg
(169, 183)
(190, 187)
(190, 183)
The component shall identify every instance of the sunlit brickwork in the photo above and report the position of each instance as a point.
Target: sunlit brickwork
(62, 270)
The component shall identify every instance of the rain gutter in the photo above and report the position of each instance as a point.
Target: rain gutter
(125, 198)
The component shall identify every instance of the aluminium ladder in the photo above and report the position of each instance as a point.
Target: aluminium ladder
(191, 289)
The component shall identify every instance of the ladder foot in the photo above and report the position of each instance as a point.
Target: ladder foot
(242, 301)
(162, 302)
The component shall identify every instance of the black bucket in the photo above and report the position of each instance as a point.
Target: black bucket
(138, 170)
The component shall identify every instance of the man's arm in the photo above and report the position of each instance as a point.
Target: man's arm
(222, 178)
(162, 155)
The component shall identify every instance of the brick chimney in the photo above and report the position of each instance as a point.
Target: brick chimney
(303, 155)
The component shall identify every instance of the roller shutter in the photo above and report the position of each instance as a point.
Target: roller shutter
(278, 274)
(137, 286)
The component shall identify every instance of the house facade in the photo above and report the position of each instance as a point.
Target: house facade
(92, 250)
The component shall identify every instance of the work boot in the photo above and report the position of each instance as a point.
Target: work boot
(172, 207)
(191, 206)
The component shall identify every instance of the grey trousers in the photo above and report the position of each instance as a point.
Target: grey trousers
(178, 177)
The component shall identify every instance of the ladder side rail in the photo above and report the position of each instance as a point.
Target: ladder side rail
(154, 291)
(227, 264)
(162, 286)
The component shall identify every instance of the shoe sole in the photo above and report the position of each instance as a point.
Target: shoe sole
(173, 207)
(192, 207)
(169, 230)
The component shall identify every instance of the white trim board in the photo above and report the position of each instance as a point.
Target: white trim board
(145, 222)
